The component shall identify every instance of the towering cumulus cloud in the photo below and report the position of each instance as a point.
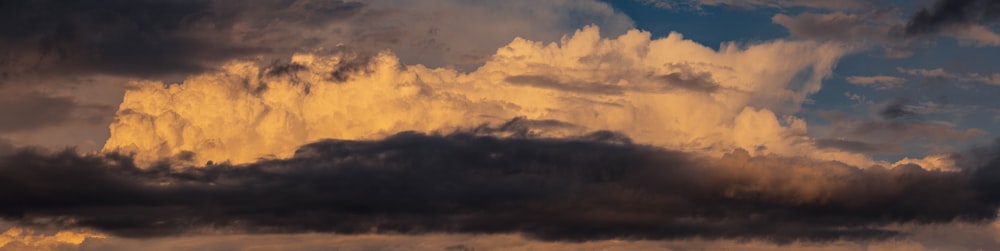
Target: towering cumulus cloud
(667, 92)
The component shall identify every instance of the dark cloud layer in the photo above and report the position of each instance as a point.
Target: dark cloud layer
(580, 189)
(953, 13)
(152, 37)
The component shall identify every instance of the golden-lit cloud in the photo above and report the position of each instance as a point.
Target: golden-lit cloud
(668, 92)
(17, 238)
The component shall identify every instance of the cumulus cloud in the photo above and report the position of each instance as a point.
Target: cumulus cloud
(78, 46)
(669, 92)
(549, 189)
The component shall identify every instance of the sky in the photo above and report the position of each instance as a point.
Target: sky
(499, 125)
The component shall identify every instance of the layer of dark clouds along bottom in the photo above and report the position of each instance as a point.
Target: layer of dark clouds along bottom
(591, 187)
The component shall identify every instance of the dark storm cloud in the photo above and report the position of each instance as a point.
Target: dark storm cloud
(549, 189)
(151, 37)
(947, 14)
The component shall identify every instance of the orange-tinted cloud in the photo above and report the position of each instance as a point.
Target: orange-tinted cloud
(668, 92)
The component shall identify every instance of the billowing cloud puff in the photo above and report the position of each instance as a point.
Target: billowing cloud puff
(668, 92)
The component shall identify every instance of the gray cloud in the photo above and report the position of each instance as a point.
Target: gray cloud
(949, 14)
(899, 131)
(150, 38)
(169, 39)
(940, 73)
(541, 81)
(880, 82)
(687, 78)
(897, 110)
(836, 26)
(683, 77)
(25, 111)
(549, 189)
(878, 27)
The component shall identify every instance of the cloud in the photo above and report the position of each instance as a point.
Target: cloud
(879, 27)
(819, 4)
(816, 4)
(896, 110)
(858, 146)
(6, 147)
(546, 82)
(171, 39)
(991, 79)
(16, 238)
(149, 38)
(698, 98)
(948, 14)
(892, 129)
(836, 26)
(956, 238)
(977, 35)
(26, 111)
(880, 82)
(872, 25)
(966, 20)
(548, 189)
